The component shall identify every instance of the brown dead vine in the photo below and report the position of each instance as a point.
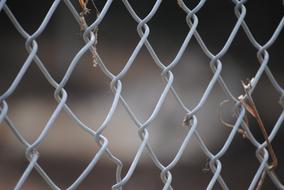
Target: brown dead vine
(83, 24)
(247, 101)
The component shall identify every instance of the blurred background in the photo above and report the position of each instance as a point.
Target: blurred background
(67, 149)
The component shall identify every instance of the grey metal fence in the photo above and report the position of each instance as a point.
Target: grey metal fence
(243, 104)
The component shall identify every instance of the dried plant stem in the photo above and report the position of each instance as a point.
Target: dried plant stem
(247, 101)
(261, 181)
(240, 131)
(84, 25)
(251, 108)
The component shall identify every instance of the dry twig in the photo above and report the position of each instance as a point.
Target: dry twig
(251, 108)
(247, 101)
(83, 24)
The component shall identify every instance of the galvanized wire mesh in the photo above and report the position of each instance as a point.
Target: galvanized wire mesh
(191, 121)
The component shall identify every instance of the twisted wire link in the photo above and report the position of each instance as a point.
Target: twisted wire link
(191, 121)
(31, 152)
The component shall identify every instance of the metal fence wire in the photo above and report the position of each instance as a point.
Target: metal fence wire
(242, 104)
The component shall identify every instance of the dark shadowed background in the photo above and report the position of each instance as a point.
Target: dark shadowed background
(67, 149)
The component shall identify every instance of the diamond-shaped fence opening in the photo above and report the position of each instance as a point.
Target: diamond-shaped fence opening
(145, 95)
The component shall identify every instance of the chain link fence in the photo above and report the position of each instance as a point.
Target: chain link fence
(242, 104)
